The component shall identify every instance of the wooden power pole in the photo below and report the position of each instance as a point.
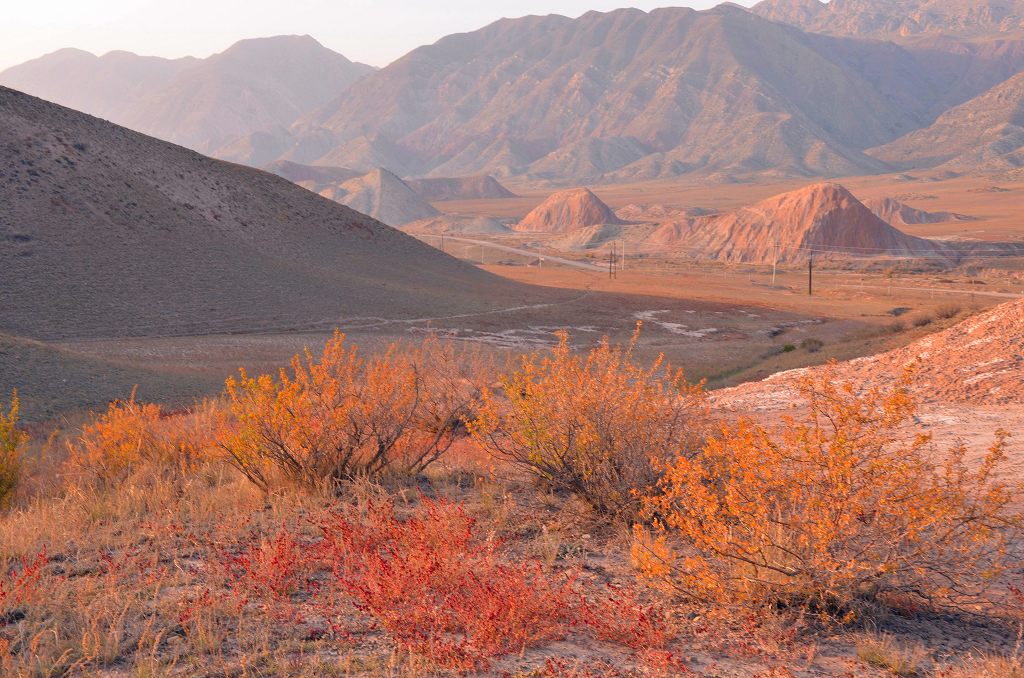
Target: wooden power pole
(810, 276)
(775, 262)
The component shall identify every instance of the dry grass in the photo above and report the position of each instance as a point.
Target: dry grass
(885, 652)
(987, 666)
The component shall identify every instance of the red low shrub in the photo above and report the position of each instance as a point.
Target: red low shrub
(440, 590)
(20, 585)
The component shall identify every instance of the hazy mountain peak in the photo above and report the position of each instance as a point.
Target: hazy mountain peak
(256, 84)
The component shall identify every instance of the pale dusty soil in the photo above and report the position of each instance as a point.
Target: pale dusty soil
(724, 324)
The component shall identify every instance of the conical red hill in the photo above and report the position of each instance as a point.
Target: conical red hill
(824, 219)
(567, 211)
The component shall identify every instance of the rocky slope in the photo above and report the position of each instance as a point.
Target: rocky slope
(983, 134)
(896, 213)
(567, 211)
(106, 232)
(898, 18)
(460, 188)
(204, 104)
(980, 361)
(383, 196)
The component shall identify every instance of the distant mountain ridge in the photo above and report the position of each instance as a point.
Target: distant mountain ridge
(898, 18)
(628, 95)
(790, 88)
(203, 104)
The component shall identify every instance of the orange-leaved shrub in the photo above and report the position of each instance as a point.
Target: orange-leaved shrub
(342, 416)
(836, 511)
(595, 425)
(11, 441)
(131, 435)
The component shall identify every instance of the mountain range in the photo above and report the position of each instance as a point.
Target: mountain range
(204, 104)
(631, 95)
(788, 88)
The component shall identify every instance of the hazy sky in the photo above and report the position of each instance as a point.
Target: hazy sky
(372, 31)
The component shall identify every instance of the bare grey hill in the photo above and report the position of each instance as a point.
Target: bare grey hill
(383, 196)
(108, 233)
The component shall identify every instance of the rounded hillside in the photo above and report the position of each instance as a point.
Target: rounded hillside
(568, 211)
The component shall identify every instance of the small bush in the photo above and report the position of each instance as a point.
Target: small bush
(11, 441)
(440, 590)
(812, 345)
(344, 416)
(947, 311)
(21, 585)
(836, 511)
(592, 424)
(788, 348)
(130, 435)
(619, 617)
(922, 321)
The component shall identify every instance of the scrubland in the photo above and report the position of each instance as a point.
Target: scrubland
(428, 510)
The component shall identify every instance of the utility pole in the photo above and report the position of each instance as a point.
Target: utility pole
(540, 257)
(810, 276)
(775, 263)
(442, 242)
(622, 256)
(611, 261)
